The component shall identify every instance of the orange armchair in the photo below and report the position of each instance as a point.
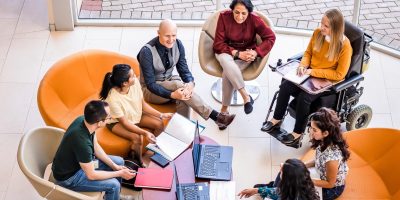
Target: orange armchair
(75, 80)
(374, 164)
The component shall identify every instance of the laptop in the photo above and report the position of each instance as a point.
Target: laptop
(191, 191)
(211, 161)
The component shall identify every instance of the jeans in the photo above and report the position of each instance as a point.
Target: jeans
(79, 181)
(303, 106)
(332, 193)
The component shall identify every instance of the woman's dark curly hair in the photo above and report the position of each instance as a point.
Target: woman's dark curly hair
(247, 3)
(296, 182)
(327, 120)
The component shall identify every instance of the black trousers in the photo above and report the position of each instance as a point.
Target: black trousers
(303, 106)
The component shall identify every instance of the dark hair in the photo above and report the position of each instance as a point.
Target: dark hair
(247, 3)
(116, 78)
(327, 120)
(95, 111)
(296, 182)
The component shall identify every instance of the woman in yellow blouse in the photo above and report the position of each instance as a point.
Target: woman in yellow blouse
(328, 56)
(129, 112)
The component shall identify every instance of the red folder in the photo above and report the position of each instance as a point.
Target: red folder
(154, 178)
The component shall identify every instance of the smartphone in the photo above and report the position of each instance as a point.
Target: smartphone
(160, 160)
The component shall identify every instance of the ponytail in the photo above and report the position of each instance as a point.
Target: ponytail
(116, 78)
(107, 85)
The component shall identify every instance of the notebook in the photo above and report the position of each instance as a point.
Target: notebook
(317, 85)
(176, 138)
(289, 72)
(159, 159)
(309, 84)
(154, 178)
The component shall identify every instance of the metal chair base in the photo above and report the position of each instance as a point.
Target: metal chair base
(252, 87)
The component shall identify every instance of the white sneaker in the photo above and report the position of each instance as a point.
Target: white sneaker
(126, 197)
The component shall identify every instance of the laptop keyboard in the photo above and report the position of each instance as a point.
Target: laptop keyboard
(211, 155)
(190, 192)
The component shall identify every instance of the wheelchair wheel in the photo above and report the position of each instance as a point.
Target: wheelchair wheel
(359, 117)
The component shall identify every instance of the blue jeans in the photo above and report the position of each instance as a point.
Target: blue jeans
(332, 193)
(79, 181)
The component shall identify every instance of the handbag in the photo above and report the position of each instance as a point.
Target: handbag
(132, 165)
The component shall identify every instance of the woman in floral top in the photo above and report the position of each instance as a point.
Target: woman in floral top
(293, 183)
(331, 152)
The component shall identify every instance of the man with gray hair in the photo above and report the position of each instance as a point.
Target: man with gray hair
(165, 76)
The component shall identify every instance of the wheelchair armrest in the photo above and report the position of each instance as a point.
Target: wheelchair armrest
(347, 83)
(298, 57)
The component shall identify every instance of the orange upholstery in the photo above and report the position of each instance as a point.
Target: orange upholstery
(75, 80)
(374, 164)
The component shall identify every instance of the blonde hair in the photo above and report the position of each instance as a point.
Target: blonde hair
(336, 23)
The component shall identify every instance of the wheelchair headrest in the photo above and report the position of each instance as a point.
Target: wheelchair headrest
(356, 37)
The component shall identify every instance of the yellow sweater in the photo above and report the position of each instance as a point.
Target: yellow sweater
(318, 61)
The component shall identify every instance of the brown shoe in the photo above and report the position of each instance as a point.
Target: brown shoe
(224, 119)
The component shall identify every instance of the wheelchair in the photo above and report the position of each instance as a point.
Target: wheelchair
(344, 96)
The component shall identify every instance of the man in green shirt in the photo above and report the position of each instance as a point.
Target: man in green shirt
(80, 164)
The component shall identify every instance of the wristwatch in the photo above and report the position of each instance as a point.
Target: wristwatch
(236, 56)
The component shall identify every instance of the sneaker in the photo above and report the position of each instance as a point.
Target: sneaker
(126, 197)
(224, 119)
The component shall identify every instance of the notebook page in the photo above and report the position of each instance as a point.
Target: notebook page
(181, 128)
(171, 146)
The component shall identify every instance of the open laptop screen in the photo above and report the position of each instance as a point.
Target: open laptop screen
(196, 147)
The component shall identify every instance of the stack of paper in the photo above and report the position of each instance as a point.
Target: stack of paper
(222, 190)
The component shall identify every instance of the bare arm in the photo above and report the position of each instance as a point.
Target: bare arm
(101, 155)
(310, 163)
(92, 174)
(332, 168)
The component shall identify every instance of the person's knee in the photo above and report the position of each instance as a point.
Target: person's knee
(159, 125)
(304, 99)
(137, 141)
(114, 185)
(286, 86)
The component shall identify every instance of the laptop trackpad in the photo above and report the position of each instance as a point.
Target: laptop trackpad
(223, 167)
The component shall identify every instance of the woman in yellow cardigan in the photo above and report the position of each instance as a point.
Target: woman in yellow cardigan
(328, 56)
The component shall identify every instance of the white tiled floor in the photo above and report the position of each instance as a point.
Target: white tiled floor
(28, 49)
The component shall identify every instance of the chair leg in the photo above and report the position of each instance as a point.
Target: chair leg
(252, 87)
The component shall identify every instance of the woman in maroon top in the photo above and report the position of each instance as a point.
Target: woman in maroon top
(235, 48)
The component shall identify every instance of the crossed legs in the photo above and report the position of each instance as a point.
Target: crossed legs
(232, 79)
